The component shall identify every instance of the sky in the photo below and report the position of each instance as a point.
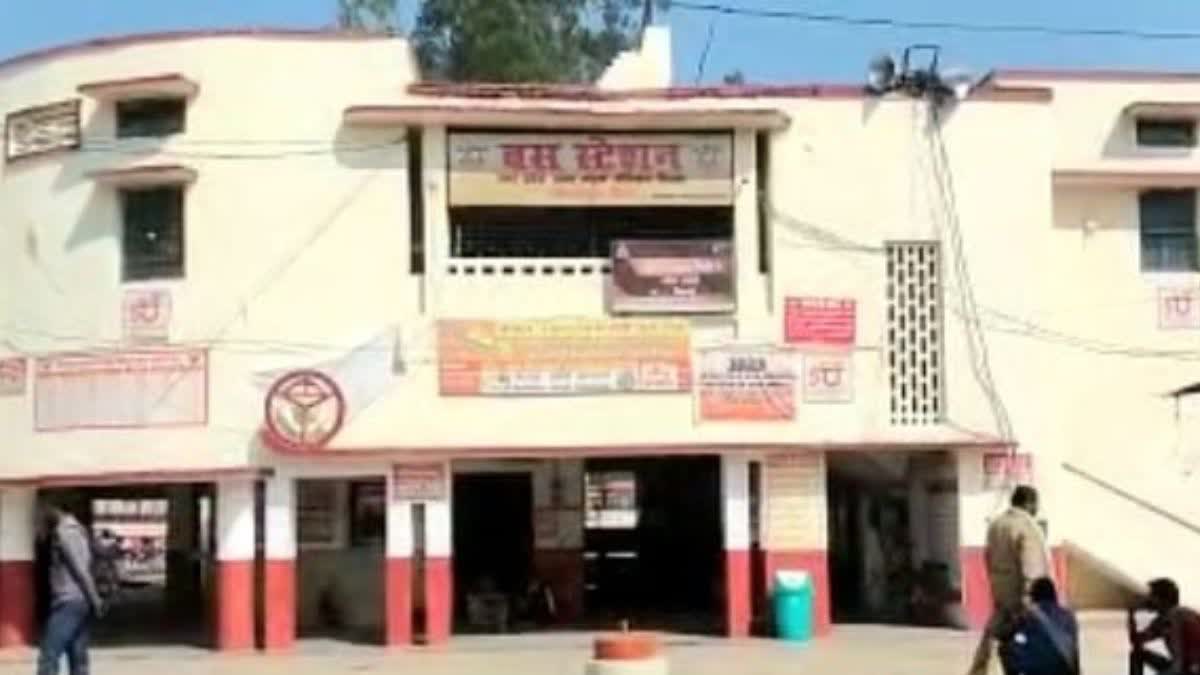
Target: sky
(765, 50)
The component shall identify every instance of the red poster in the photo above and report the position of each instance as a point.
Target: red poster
(823, 322)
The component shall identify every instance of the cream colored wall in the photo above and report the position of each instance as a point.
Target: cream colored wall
(306, 244)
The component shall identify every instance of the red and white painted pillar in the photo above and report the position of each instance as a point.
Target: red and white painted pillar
(976, 506)
(735, 512)
(16, 567)
(439, 570)
(796, 525)
(235, 565)
(398, 571)
(279, 568)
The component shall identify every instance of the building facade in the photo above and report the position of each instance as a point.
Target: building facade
(402, 359)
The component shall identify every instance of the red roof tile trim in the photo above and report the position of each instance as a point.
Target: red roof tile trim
(584, 93)
(170, 36)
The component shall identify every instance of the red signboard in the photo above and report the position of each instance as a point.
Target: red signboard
(820, 322)
(1000, 469)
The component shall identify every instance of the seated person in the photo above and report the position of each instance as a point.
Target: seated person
(1046, 637)
(1178, 627)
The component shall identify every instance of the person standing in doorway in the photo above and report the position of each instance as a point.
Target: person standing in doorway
(74, 598)
(1016, 556)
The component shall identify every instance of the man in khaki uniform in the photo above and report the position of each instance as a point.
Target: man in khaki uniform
(1016, 556)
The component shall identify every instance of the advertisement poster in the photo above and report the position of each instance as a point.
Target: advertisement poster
(563, 357)
(613, 169)
(121, 390)
(672, 277)
(827, 323)
(747, 385)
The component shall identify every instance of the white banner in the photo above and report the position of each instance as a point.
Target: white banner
(121, 390)
(46, 128)
(828, 378)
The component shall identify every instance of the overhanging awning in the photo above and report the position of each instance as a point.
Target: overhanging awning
(1164, 109)
(678, 119)
(145, 176)
(169, 84)
(1126, 179)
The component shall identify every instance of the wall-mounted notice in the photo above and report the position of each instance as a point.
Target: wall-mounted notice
(121, 390)
(42, 129)
(747, 384)
(147, 315)
(827, 323)
(1001, 469)
(419, 482)
(14, 373)
(828, 378)
(1179, 308)
(795, 498)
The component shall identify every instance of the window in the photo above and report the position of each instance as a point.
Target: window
(1166, 133)
(1168, 230)
(150, 117)
(416, 203)
(517, 232)
(152, 241)
(914, 333)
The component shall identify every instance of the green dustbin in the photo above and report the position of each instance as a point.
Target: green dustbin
(793, 600)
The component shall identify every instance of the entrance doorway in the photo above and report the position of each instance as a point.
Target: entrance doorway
(493, 545)
(653, 552)
(154, 552)
(893, 538)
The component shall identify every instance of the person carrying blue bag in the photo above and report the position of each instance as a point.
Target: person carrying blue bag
(1046, 637)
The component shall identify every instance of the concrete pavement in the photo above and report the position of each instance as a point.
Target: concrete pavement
(853, 650)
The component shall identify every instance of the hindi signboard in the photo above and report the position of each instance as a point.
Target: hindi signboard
(747, 384)
(121, 390)
(419, 482)
(615, 169)
(820, 322)
(147, 315)
(14, 373)
(563, 356)
(1002, 468)
(828, 378)
(42, 129)
(676, 276)
(1179, 308)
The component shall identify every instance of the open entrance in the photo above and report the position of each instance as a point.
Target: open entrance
(653, 553)
(153, 557)
(341, 526)
(493, 548)
(893, 538)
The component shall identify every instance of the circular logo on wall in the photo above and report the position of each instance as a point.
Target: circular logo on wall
(305, 409)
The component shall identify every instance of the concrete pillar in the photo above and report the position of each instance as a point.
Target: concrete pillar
(558, 529)
(183, 575)
(796, 525)
(398, 569)
(976, 505)
(235, 565)
(17, 606)
(279, 569)
(735, 511)
(439, 571)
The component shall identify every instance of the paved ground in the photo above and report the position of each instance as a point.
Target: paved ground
(854, 650)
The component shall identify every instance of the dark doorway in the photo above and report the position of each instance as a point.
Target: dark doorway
(493, 535)
(653, 543)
